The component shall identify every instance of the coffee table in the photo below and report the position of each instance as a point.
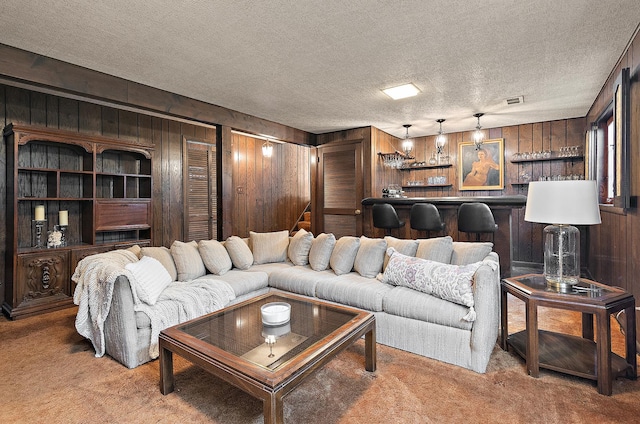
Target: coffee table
(579, 356)
(234, 345)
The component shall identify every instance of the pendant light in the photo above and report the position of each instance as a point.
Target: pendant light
(441, 139)
(478, 136)
(407, 144)
(267, 149)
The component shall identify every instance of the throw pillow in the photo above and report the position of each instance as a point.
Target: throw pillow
(344, 254)
(320, 252)
(150, 278)
(449, 282)
(370, 257)
(437, 249)
(188, 261)
(470, 252)
(239, 252)
(136, 250)
(299, 247)
(269, 247)
(163, 255)
(406, 247)
(215, 257)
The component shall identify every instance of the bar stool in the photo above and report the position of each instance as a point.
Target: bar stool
(426, 217)
(386, 217)
(476, 218)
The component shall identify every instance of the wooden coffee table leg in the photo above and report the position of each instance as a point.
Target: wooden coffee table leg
(370, 349)
(166, 370)
(273, 409)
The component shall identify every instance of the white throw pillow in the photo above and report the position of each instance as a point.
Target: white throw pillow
(299, 247)
(239, 252)
(344, 254)
(269, 247)
(215, 257)
(188, 261)
(150, 278)
(163, 255)
(370, 257)
(320, 252)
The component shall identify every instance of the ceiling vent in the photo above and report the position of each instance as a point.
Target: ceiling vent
(515, 100)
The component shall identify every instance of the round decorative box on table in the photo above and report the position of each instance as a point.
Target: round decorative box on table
(275, 313)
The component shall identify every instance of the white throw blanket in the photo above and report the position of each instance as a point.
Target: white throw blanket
(95, 276)
(182, 301)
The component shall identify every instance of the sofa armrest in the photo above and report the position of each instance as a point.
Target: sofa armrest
(486, 296)
(120, 332)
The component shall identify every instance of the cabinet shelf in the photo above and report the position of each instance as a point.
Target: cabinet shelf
(412, 167)
(428, 186)
(103, 185)
(554, 156)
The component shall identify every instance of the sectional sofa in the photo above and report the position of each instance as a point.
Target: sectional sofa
(433, 297)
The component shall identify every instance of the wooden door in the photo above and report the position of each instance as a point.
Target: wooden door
(201, 194)
(340, 189)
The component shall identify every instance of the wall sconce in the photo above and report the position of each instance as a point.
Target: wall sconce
(407, 144)
(267, 149)
(441, 139)
(478, 136)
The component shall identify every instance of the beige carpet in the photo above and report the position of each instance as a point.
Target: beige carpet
(48, 374)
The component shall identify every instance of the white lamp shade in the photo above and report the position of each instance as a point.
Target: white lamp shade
(563, 202)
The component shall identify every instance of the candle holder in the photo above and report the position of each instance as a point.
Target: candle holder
(63, 237)
(39, 224)
(270, 340)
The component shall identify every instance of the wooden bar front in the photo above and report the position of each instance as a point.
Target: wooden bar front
(501, 207)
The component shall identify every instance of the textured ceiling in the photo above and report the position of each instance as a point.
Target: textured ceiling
(320, 66)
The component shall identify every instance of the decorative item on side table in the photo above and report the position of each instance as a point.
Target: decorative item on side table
(562, 204)
(39, 222)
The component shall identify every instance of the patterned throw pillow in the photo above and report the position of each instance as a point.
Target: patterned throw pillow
(449, 282)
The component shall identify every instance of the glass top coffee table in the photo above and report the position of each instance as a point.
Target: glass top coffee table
(267, 361)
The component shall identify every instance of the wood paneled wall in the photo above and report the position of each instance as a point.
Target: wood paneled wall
(259, 194)
(270, 193)
(615, 244)
(527, 237)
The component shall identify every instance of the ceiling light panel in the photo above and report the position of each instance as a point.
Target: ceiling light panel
(401, 91)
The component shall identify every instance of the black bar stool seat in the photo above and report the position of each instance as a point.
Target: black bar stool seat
(426, 217)
(476, 218)
(386, 217)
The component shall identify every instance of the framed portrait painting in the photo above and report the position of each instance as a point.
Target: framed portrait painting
(481, 168)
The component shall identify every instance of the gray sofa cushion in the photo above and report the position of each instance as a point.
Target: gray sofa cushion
(320, 252)
(370, 257)
(188, 260)
(437, 249)
(344, 254)
(163, 255)
(299, 279)
(354, 290)
(409, 303)
(242, 282)
(467, 253)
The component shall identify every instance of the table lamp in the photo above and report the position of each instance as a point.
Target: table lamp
(562, 204)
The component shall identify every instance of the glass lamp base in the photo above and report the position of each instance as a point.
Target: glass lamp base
(561, 256)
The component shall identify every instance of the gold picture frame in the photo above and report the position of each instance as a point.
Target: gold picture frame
(481, 168)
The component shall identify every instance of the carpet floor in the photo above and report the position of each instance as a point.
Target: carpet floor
(48, 374)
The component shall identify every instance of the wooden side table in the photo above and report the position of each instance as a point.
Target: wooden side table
(579, 356)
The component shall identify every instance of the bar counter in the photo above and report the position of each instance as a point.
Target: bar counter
(501, 207)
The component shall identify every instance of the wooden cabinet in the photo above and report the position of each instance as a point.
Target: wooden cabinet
(103, 184)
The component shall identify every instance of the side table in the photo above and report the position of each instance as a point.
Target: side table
(579, 356)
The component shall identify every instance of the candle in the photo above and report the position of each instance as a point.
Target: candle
(63, 217)
(40, 213)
